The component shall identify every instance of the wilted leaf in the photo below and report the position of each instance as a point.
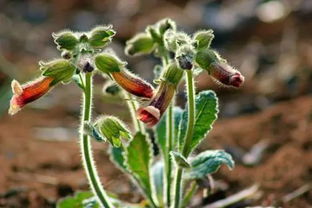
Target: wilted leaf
(209, 162)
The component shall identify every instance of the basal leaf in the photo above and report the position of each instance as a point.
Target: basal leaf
(206, 104)
(138, 160)
(209, 162)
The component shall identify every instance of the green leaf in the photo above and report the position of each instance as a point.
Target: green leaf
(158, 175)
(76, 201)
(140, 44)
(161, 129)
(206, 105)
(101, 35)
(209, 162)
(65, 40)
(61, 70)
(138, 160)
(117, 157)
(179, 159)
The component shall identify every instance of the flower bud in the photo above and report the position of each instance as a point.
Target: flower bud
(203, 39)
(173, 40)
(112, 129)
(140, 44)
(85, 63)
(26, 93)
(65, 40)
(100, 36)
(111, 88)
(152, 113)
(184, 57)
(60, 70)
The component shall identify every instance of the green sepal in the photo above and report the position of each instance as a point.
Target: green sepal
(166, 24)
(209, 162)
(203, 39)
(61, 70)
(108, 63)
(65, 40)
(100, 36)
(91, 131)
(180, 160)
(112, 129)
(172, 74)
(205, 57)
(140, 44)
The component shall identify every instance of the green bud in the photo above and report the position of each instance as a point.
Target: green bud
(204, 58)
(65, 40)
(184, 56)
(203, 39)
(108, 63)
(61, 70)
(153, 32)
(166, 24)
(173, 40)
(140, 44)
(180, 160)
(172, 74)
(101, 35)
(113, 130)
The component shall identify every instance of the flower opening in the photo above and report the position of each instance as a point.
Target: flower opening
(24, 94)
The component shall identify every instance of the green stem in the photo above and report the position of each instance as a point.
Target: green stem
(86, 151)
(188, 137)
(133, 106)
(170, 136)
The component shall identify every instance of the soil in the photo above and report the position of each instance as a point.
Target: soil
(35, 172)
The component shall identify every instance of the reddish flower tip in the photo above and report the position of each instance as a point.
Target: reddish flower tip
(149, 115)
(236, 80)
(23, 94)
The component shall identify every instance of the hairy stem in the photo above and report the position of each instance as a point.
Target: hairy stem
(170, 136)
(188, 137)
(86, 151)
(133, 106)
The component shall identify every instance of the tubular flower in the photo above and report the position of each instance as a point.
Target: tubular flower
(225, 74)
(152, 113)
(24, 94)
(218, 68)
(133, 84)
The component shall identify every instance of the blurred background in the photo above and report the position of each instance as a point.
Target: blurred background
(266, 125)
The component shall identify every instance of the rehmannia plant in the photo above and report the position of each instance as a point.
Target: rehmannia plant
(172, 177)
